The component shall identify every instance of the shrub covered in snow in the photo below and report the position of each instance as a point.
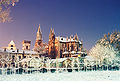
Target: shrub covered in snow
(107, 49)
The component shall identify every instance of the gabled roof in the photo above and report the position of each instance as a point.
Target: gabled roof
(11, 42)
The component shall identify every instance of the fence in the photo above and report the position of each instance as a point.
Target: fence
(13, 65)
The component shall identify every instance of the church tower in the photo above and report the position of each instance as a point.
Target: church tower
(39, 41)
(26, 45)
(51, 51)
(11, 45)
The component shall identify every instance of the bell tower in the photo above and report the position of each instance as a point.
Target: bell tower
(51, 51)
(39, 40)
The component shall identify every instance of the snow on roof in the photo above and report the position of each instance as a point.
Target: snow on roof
(66, 52)
(19, 51)
(80, 42)
(11, 42)
(63, 39)
(75, 55)
(73, 52)
(58, 60)
(80, 52)
(30, 52)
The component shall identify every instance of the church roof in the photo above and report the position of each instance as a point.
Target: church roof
(63, 39)
(26, 41)
(58, 60)
(66, 52)
(18, 51)
(11, 42)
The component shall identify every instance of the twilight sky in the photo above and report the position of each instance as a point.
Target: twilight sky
(90, 19)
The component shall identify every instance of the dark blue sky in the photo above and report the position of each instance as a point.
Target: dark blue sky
(90, 19)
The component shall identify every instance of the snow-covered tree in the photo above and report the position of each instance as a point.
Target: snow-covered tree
(103, 54)
(107, 49)
(5, 6)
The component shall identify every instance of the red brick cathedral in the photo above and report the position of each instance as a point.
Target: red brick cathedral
(60, 47)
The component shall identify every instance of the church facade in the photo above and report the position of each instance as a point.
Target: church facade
(61, 47)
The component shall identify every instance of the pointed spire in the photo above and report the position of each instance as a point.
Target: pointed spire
(53, 31)
(39, 29)
(39, 34)
(50, 31)
(76, 37)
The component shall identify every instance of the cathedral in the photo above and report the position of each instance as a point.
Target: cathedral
(57, 47)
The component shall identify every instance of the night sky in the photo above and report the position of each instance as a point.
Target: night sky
(90, 19)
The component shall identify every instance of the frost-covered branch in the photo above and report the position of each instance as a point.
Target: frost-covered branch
(5, 6)
(107, 49)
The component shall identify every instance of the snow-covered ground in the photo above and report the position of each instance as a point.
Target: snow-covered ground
(65, 76)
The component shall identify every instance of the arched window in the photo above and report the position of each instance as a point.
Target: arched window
(11, 45)
(26, 47)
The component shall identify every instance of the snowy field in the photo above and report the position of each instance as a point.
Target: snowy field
(74, 76)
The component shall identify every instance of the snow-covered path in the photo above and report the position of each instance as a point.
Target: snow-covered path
(74, 76)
